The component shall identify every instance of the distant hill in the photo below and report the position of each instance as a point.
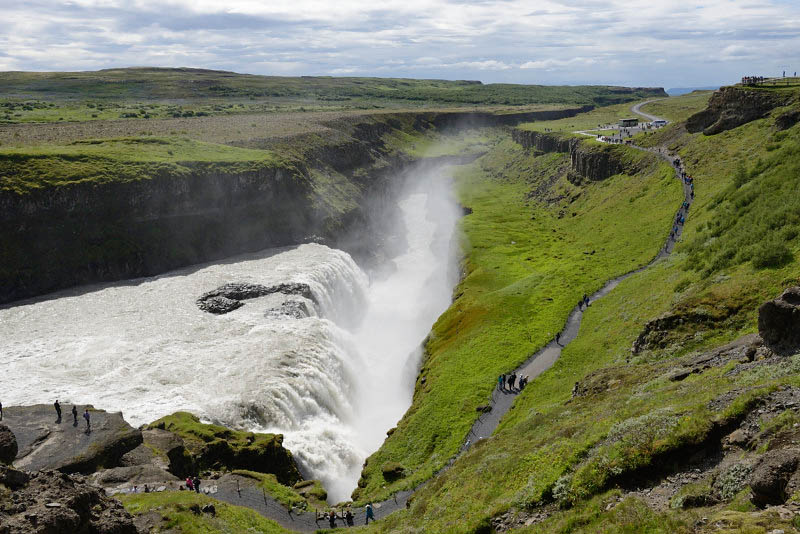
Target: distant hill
(677, 91)
(182, 83)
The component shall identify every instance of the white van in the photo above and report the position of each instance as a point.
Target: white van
(659, 123)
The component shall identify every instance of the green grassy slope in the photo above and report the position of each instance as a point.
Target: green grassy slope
(560, 455)
(164, 83)
(173, 514)
(528, 261)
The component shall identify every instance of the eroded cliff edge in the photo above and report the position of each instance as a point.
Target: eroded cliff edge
(144, 218)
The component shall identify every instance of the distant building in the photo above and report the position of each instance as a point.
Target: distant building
(627, 123)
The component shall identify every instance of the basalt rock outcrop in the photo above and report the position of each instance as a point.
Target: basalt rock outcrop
(228, 297)
(8, 445)
(47, 443)
(591, 162)
(216, 447)
(771, 476)
(50, 502)
(731, 107)
(779, 320)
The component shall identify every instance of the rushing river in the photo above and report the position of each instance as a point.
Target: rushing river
(333, 382)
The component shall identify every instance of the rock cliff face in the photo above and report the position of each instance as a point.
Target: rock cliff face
(61, 236)
(590, 162)
(730, 107)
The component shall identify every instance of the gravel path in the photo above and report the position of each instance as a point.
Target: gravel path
(243, 492)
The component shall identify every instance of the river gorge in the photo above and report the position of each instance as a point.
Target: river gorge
(332, 372)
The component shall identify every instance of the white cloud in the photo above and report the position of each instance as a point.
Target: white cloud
(641, 42)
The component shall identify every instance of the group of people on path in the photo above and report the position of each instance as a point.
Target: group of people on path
(86, 416)
(346, 516)
(582, 303)
(508, 383)
(193, 484)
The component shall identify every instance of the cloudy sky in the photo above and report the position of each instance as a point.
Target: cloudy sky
(669, 43)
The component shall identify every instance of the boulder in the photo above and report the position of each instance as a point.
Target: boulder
(392, 471)
(45, 443)
(779, 320)
(8, 445)
(51, 502)
(771, 475)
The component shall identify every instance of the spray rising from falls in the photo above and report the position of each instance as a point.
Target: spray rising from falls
(332, 373)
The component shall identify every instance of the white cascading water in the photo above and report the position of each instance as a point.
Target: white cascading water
(333, 383)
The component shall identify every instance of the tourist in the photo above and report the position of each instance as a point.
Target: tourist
(558, 338)
(74, 415)
(58, 410)
(88, 420)
(332, 519)
(1, 411)
(586, 301)
(369, 514)
(511, 380)
(348, 518)
(196, 483)
(146, 489)
(189, 483)
(501, 382)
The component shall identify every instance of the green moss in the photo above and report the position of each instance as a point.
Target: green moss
(215, 446)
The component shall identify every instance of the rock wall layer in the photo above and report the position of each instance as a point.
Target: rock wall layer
(730, 107)
(588, 162)
(84, 232)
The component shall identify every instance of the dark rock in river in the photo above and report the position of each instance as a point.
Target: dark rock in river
(219, 305)
(51, 502)
(779, 319)
(226, 298)
(46, 443)
(291, 309)
(8, 445)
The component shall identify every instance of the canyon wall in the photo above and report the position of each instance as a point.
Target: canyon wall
(82, 232)
(588, 161)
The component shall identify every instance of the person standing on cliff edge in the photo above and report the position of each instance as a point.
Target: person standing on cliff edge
(88, 420)
(58, 410)
(74, 415)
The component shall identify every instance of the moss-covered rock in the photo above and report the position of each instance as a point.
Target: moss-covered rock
(218, 447)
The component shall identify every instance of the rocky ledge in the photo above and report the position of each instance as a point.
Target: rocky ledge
(45, 442)
(730, 107)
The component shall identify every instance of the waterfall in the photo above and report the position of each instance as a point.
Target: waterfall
(332, 373)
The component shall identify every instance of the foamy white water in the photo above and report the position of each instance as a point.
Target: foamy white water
(332, 383)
